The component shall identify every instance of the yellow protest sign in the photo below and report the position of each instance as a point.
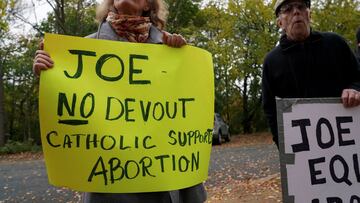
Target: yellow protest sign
(120, 117)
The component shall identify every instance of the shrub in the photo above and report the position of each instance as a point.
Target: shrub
(12, 147)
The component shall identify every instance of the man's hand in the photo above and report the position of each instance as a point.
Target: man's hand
(350, 98)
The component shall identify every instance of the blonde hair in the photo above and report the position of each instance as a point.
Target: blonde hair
(158, 11)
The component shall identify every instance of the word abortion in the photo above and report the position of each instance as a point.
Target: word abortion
(115, 169)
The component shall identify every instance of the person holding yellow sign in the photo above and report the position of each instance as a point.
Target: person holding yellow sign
(125, 20)
(139, 21)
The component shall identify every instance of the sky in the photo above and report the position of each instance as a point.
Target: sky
(33, 11)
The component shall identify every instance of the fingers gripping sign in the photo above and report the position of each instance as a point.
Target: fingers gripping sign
(173, 40)
(350, 98)
(42, 60)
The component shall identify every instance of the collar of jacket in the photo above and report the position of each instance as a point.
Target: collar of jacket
(287, 45)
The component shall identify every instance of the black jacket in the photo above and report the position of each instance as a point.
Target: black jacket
(322, 66)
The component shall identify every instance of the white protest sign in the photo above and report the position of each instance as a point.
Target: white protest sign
(319, 143)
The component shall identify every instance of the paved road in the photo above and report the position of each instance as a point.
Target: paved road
(243, 163)
(26, 181)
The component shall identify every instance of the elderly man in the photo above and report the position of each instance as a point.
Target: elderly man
(306, 63)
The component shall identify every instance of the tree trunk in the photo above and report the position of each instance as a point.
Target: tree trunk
(24, 121)
(11, 116)
(2, 112)
(246, 121)
(59, 10)
(227, 90)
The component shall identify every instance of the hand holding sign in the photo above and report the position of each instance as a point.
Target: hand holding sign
(42, 60)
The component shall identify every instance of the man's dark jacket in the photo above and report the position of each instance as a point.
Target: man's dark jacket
(322, 66)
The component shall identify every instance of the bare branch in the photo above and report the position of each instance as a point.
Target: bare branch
(33, 4)
(52, 6)
(24, 20)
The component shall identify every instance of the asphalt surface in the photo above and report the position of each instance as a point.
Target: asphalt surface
(242, 163)
(26, 181)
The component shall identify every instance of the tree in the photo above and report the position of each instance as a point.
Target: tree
(71, 17)
(339, 16)
(21, 92)
(238, 34)
(214, 35)
(254, 36)
(20, 86)
(182, 15)
(7, 8)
